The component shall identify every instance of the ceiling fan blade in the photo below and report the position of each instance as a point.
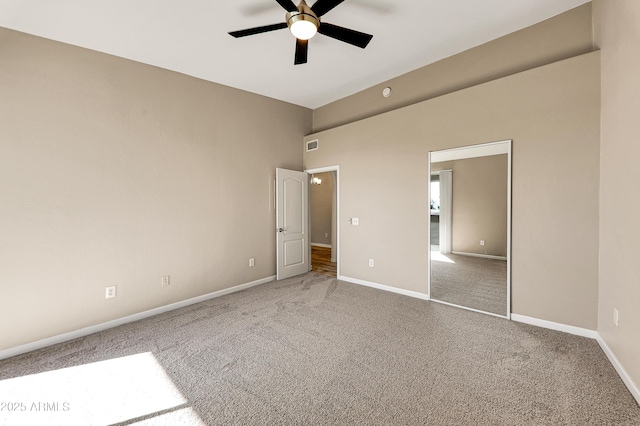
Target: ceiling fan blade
(353, 37)
(323, 6)
(258, 30)
(302, 47)
(288, 5)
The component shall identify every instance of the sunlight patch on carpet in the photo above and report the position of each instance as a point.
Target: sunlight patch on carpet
(439, 257)
(100, 393)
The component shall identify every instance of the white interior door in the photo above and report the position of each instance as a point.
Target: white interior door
(292, 223)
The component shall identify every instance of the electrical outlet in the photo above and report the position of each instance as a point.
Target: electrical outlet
(110, 292)
(616, 316)
(252, 262)
(481, 242)
(166, 280)
(371, 263)
(326, 235)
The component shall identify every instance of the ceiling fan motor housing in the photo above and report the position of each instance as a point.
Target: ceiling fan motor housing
(304, 13)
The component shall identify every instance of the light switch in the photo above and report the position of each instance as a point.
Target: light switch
(355, 221)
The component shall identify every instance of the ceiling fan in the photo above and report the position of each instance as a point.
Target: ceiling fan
(304, 22)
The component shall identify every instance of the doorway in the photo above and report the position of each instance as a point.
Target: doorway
(324, 220)
(441, 210)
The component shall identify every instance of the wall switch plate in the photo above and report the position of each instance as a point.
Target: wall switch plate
(355, 221)
(616, 316)
(326, 235)
(371, 263)
(481, 242)
(110, 292)
(252, 262)
(166, 280)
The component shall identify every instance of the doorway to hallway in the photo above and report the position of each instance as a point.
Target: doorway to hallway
(324, 220)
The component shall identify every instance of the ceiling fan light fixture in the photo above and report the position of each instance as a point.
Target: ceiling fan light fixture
(303, 25)
(303, 29)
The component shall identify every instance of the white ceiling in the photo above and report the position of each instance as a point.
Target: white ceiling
(190, 36)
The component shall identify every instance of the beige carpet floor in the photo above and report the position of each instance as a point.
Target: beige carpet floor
(315, 350)
(474, 282)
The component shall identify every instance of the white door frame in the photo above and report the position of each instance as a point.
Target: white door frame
(337, 188)
(480, 150)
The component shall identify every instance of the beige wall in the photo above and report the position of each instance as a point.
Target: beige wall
(116, 173)
(479, 207)
(618, 35)
(321, 206)
(561, 37)
(552, 115)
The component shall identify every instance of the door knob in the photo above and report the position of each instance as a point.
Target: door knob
(280, 229)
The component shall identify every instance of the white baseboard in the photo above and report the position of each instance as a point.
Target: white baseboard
(39, 344)
(385, 287)
(486, 256)
(633, 388)
(578, 331)
(321, 245)
(592, 334)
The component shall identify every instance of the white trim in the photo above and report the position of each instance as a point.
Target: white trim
(429, 227)
(469, 309)
(321, 245)
(591, 334)
(509, 212)
(633, 388)
(486, 256)
(409, 293)
(337, 170)
(323, 169)
(473, 151)
(578, 331)
(39, 344)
